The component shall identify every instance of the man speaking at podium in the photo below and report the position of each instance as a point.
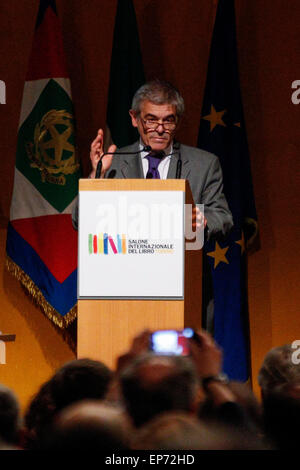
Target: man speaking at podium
(157, 108)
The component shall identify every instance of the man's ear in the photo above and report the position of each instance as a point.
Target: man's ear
(133, 118)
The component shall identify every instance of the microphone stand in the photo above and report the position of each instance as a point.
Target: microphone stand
(147, 148)
(179, 161)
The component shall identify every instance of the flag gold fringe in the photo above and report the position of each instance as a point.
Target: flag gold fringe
(61, 322)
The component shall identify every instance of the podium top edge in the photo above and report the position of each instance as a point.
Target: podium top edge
(88, 184)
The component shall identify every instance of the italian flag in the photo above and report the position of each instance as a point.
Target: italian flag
(41, 241)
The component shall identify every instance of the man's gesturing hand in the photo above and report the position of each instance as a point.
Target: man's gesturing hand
(198, 219)
(97, 152)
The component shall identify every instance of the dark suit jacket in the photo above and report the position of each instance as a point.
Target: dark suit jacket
(200, 168)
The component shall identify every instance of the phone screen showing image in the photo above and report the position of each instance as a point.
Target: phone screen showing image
(171, 342)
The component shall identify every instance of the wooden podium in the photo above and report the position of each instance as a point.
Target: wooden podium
(106, 326)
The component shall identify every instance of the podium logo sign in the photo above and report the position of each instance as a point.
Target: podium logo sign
(130, 240)
(99, 244)
(104, 244)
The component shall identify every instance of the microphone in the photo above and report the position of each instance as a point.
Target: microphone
(178, 167)
(147, 148)
(179, 161)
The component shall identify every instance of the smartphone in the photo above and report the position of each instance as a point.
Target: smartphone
(171, 341)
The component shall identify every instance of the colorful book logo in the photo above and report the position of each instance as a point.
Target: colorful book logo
(104, 243)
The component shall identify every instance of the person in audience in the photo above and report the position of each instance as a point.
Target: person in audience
(170, 430)
(38, 415)
(89, 425)
(159, 401)
(152, 384)
(278, 368)
(279, 380)
(241, 410)
(183, 431)
(76, 380)
(247, 399)
(10, 419)
(281, 415)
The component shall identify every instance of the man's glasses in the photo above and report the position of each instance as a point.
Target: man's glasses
(152, 124)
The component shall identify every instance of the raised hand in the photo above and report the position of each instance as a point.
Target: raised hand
(97, 151)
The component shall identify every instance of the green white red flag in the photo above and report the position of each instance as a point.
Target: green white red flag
(41, 242)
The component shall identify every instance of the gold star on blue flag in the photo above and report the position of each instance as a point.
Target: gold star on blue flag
(222, 132)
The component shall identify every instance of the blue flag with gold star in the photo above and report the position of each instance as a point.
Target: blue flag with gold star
(222, 132)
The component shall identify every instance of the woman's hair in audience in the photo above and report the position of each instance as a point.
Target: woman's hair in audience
(278, 368)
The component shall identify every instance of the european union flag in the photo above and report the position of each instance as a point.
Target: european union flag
(222, 132)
